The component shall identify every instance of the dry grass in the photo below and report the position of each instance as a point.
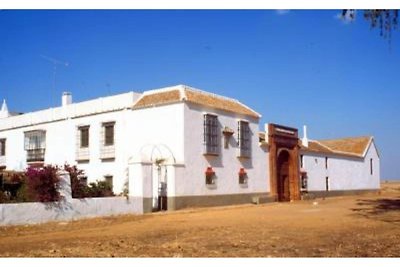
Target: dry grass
(357, 226)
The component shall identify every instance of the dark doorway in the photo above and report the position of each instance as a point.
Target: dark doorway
(283, 176)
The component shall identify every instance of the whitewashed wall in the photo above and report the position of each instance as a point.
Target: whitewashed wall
(153, 129)
(68, 208)
(226, 164)
(345, 173)
(61, 136)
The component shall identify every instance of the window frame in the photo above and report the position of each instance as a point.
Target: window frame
(108, 125)
(3, 144)
(210, 134)
(35, 145)
(107, 179)
(81, 130)
(327, 185)
(371, 166)
(244, 139)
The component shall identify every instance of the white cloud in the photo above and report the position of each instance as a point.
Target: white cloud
(282, 11)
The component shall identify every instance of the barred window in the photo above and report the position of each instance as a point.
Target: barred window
(109, 133)
(2, 147)
(244, 142)
(35, 140)
(210, 134)
(35, 145)
(84, 136)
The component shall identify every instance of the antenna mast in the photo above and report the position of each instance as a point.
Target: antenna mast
(55, 63)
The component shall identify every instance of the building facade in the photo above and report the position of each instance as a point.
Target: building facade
(180, 147)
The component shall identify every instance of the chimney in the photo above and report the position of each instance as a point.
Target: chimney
(4, 110)
(66, 99)
(304, 141)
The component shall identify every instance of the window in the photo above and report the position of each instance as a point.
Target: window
(244, 139)
(84, 136)
(109, 133)
(35, 145)
(210, 134)
(326, 162)
(2, 147)
(301, 161)
(371, 166)
(304, 182)
(327, 183)
(109, 180)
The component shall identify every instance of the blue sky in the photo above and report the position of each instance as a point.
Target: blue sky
(295, 68)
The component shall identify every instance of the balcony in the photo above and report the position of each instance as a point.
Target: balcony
(35, 155)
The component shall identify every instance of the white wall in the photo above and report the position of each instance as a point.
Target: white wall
(36, 212)
(160, 126)
(226, 164)
(68, 208)
(61, 138)
(345, 173)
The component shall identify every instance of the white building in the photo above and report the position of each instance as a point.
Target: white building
(176, 147)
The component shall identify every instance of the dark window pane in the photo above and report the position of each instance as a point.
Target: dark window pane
(211, 134)
(109, 135)
(244, 138)
(2, 147)
(109, 180)
(84, 137)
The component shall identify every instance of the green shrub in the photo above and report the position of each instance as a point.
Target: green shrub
(80, 190)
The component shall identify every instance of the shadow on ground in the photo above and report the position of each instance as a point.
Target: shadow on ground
(384, 209)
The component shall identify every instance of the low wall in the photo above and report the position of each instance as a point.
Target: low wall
(72, 209)
(69, 208)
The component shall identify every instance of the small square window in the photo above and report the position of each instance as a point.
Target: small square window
(109, 180)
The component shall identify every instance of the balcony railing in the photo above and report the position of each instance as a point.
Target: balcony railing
(35, 155)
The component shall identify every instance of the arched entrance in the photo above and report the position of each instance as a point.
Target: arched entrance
(283, 189)
(160, 161)
(284, 163)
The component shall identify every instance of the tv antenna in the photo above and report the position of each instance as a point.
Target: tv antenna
(55, 62)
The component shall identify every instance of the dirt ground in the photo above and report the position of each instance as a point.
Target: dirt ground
(356, 226)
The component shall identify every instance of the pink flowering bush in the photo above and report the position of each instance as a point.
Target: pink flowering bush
(43, 184)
